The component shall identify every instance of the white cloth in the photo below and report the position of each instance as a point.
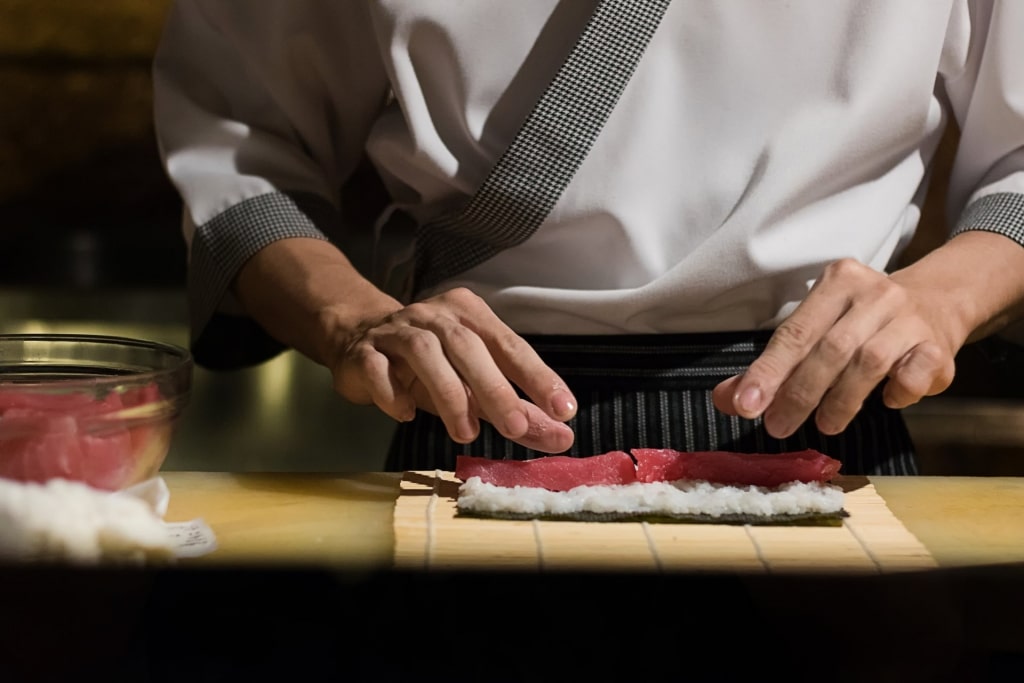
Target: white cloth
(68, 521)
(757, 141)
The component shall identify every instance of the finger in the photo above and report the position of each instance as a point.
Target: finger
(848, 360)
(401, 380)
(491, 392)
(543, 432)
(723, 394)
(519, 362)
(790, 344)
(829, 299)
(422, 351)
(544, 386)
(924, 371)
(868, 366)
(384, 382)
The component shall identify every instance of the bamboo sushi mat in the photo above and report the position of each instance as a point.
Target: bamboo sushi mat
(429, 535)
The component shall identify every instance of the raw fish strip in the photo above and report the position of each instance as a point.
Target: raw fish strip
(77, 436)
(552, 472)
(736, 469)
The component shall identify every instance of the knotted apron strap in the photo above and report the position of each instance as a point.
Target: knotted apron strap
(531, 175)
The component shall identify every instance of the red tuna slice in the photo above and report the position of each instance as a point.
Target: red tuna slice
(35, 400)
(64, 436)
(737, 469)
(150, 434)
(551, 472)
(137, 396)
(151, 437)
(108, 461)
(37, 446)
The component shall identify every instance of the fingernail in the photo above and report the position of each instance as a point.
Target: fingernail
(563, 405)
(749, 400)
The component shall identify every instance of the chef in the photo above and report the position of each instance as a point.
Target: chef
(605, 225)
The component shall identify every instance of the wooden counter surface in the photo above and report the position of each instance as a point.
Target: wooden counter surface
(346, 519)
(286, 518)
(304, 587)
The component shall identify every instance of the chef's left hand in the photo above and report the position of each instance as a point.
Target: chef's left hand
(856, 328)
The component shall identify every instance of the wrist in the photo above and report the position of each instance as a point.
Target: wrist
(339, 324)
(973, 284)
(308, 295)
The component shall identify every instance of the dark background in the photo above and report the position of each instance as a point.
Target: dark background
(83, 200)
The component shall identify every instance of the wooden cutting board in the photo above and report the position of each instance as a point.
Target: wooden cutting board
(429, 535)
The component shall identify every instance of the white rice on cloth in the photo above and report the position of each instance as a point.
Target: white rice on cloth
(674, 498)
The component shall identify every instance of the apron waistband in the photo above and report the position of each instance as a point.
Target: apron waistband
(643, 361)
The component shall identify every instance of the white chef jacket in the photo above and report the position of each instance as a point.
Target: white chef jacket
(757, 141)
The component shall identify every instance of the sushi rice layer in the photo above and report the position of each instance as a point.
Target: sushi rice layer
(671, 499)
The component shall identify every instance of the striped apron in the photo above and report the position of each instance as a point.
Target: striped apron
(654, 391)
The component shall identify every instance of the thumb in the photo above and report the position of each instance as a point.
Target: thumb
(722, 395)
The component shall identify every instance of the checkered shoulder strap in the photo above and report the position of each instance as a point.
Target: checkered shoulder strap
(531, 174)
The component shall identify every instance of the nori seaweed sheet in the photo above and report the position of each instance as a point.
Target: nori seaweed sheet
(804, 519)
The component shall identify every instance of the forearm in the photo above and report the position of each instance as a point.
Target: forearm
(978, 280)
(308, 295)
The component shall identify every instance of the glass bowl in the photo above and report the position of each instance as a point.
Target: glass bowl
(90, 408)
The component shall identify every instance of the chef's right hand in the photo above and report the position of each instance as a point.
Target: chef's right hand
(452, 356)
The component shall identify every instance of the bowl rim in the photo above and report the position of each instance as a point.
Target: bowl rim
(184, 360)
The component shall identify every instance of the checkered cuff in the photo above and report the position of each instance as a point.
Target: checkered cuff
(1002, 212)
(220, 248)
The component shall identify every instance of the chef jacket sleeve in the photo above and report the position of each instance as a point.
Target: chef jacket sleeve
(261, 112)
(987, 96)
